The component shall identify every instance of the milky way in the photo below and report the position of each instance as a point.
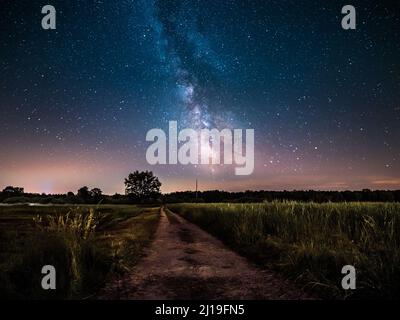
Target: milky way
(186, 56)
(76, 102)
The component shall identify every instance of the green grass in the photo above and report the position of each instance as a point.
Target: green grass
(88, 245)
(310, 243)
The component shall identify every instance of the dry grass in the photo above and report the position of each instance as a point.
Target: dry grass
(86, 244)
(311, 242)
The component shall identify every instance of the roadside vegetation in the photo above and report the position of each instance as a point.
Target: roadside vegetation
(86, 244)
(171, 217)
(310, 243)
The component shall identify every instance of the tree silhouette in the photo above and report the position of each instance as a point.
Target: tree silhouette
(84, 193)
(13, 190)
(96, 194)
(142, 184)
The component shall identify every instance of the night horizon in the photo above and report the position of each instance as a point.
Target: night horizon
(201, 188)
(192, 157)
(77, 102)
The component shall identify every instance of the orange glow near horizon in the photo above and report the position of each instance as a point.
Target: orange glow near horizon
(60, 175)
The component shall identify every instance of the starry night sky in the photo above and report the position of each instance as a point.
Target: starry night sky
(76, 102)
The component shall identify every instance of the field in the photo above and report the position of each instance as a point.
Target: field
(310, 243)
(88, 245)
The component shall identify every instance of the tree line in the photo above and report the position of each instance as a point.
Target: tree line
(144, 187)
(211, 196)
(140, 187)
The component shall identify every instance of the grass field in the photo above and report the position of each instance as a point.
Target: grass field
(310, 243)
(87, 245)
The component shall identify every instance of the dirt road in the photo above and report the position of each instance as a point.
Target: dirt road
(185, 262)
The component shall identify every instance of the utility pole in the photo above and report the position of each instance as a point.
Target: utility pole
(196, 190)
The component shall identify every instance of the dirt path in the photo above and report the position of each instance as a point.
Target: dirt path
(185, 262)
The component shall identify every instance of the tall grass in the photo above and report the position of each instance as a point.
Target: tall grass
(76, 230)
(75, 223)
(66, 241)
(83, 243)
(311, 242)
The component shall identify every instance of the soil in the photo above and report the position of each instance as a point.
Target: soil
(184, 262)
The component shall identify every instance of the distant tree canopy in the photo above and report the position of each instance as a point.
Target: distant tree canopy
(88, 196)
(83, 193)
(13, 190)
(142, 185)
(145, 187)
(96, 194)
(365, 195)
